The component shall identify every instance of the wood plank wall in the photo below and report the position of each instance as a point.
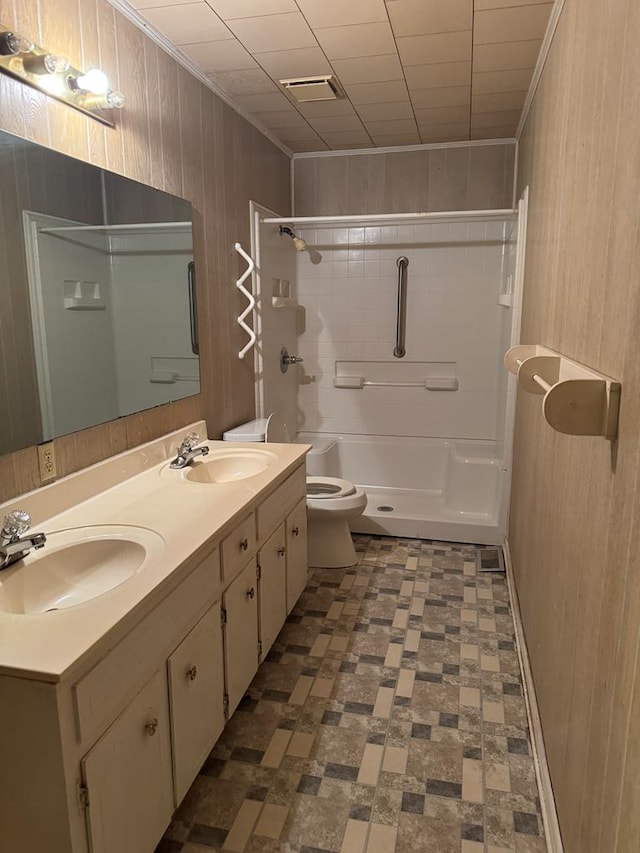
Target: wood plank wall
(176, 135)
(447, 178)
(574, 533)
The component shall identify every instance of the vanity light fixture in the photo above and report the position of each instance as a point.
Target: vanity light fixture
(53, 74)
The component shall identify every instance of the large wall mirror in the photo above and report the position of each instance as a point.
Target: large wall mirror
(97, 296)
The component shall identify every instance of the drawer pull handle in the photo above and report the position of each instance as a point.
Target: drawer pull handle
(151, 727)
(192, 673)
(251, 592)
(244, 544)
(282, 551)
(295, 531)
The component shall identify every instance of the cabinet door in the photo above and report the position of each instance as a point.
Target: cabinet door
(297, 566)
(196, 696)
(272, 589)
(241, 633)
(128, 775)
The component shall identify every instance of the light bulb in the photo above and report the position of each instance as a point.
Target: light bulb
(12, 44)
(94, 81)
(109, 101)
(46, 63)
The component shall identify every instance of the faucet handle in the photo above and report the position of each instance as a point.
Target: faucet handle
(190, 441)
(16, 523)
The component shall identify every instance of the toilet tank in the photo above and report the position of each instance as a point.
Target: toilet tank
(322, 459)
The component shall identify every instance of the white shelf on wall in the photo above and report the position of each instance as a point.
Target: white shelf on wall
(284, 302)
(577, 400)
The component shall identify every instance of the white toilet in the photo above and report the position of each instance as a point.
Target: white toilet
(331, 502)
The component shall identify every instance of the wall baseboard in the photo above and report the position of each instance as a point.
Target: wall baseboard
(547, 799)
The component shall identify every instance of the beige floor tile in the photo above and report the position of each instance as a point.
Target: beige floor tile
(384, 702)
(347, 582)
(301, 690)
(493, 712)
(277, 748)
(242, 826)
(395, 759)
(412, 642)
(382, 839)
(319, 648)
(351, 608)
(335, 611)
(485, 593)
(338, 643)
(322, 687)
(421, 587)
(472, 781)
(470, 697)
(469, 651)
(469, 568)
(469, 616)
(362, 580)
(490, 663)
(469, 595)
(406, 590)
(417, 607)
(271, 820)
(471, 846)
(406, 680)
(394, 655)
(370, 764)
(401, 619)
(497, 777)
(486, 624)
(412, 563)
(355, 837)
(300, 744)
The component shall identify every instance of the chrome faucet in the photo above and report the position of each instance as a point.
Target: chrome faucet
(13, 544)
(188, 451)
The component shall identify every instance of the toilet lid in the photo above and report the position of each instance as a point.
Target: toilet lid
(276, 429)
(328, 487)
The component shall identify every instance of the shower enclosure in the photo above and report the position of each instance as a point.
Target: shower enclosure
(402, 322)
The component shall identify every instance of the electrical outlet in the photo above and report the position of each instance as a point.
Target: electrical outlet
(47, 462)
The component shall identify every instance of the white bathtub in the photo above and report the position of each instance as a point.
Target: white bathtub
(419, 487)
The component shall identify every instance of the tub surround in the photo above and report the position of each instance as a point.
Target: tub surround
(127, 490)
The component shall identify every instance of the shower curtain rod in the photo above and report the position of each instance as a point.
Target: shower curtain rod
(132, 226)
(506, 213)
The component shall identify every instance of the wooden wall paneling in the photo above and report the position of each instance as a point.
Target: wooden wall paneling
(169, 118)
(109, 64)
(134, 120)
(154, 112)
(91, 58)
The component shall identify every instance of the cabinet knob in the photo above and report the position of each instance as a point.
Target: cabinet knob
(295, 531)
(192, 673)
(282, 551)
(251, 592)
(244, 544)
(151, 727)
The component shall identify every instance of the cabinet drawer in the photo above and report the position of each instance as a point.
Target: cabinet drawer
(107, 688)
(238, 547)
(273, 509)
(196, 692)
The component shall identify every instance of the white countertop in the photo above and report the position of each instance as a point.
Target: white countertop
(190, 517)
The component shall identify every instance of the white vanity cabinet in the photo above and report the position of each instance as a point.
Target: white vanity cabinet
(101, 756)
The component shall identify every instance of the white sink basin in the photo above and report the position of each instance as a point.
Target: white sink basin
(76, 566)
(225, 466)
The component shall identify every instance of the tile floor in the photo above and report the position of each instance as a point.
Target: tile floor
(388, 716)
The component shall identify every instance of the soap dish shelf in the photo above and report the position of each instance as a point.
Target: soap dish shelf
(577, 400)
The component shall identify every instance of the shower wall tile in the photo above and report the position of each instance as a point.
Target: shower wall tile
(454, 278)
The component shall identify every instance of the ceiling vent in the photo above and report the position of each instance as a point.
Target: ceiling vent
(302, 89)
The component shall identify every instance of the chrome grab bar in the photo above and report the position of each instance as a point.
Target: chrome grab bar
(401, 322)
(193, 307)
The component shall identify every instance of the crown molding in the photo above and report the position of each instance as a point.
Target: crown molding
(358, 152)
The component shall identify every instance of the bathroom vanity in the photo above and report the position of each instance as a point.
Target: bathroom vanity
(109, 707)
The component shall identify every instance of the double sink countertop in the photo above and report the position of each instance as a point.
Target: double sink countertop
(131, 490)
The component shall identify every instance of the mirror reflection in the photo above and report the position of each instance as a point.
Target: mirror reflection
(97, 293)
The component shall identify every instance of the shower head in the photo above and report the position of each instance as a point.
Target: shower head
(298, 242)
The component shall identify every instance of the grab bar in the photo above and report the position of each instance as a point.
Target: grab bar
(193, 308)
(252, 302)
(401, 322)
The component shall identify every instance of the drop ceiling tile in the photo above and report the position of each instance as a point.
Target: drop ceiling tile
(352, 138)
(188, 23)
(341, 107)
(271, 102)
(228, 9)
(301, 62)
(332, 13)
(506, 56)
(148, 4)
(368, 69)
(273, 32)
(444, 47)
(445, 133)
(482, 5)
(497, 119)
(512, 24)
(283, 119)
(301, 147)
(360, 40)
(253, 81)
(446, 96)
(497, 101)
(298, 134)
(404, 126)
(324, 124)
(438, 74)
(507, 131)
(502, 81)
(385, 112)
(377, 93)
(396, 140)
(442, 115)
(216, 56)
(420, 17)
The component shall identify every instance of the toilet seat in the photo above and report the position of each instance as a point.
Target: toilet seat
(328, 488)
